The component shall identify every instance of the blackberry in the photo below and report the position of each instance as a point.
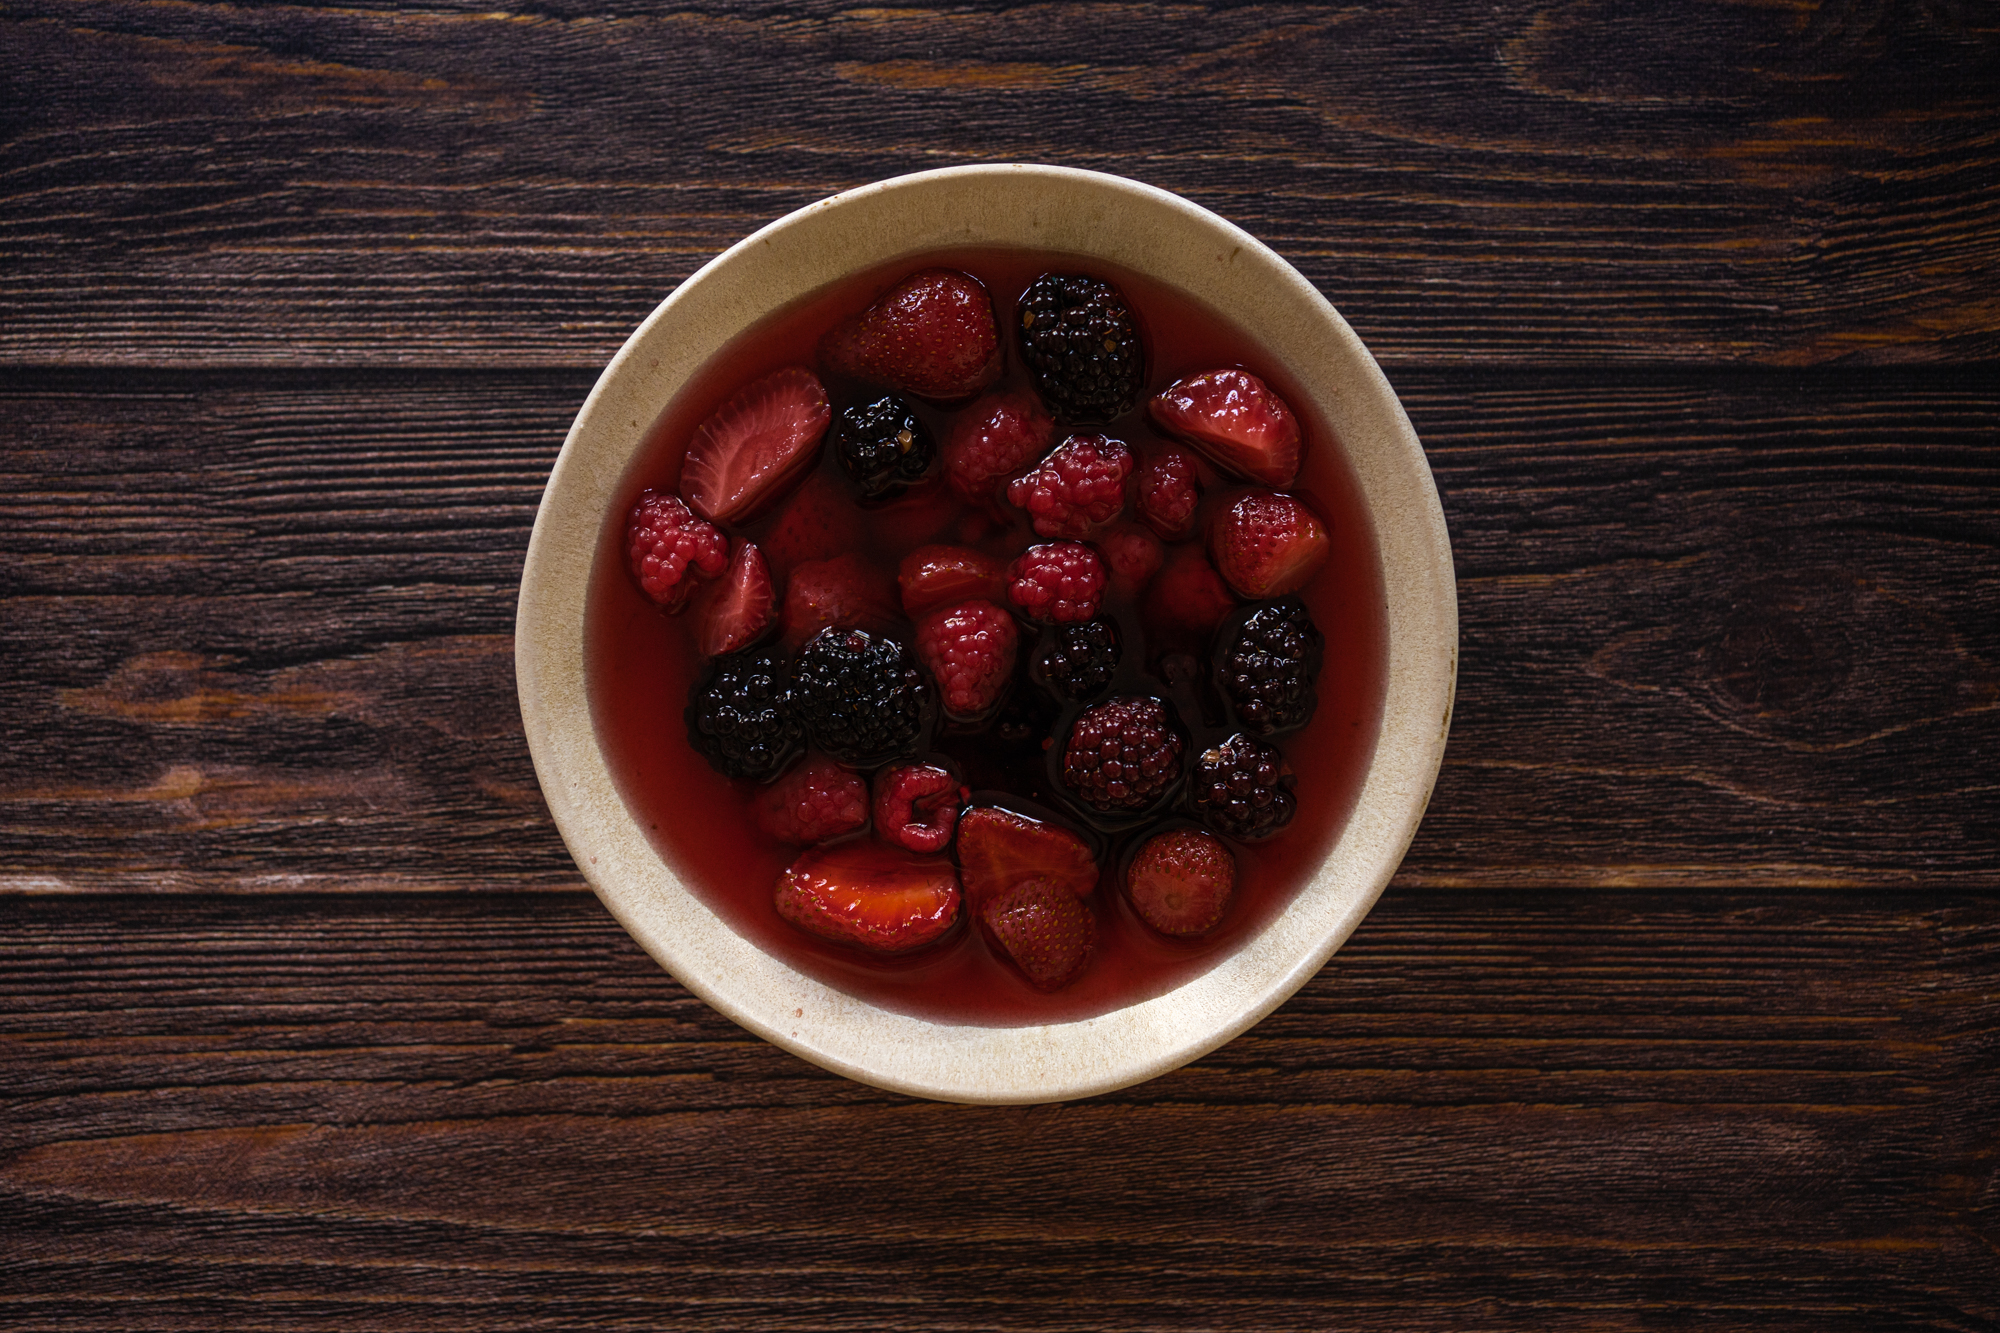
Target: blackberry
(1082, 346)
(1077, 662)
(1026, 719)
(1267, 669)
(861, 697)
(1242, 787)
(739, 718)
(883, 447)
(1123, 756)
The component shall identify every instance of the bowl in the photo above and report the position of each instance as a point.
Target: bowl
(1128, 226)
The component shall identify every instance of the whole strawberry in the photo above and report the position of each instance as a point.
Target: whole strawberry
(1181, 881)
(1266, 545)
(933, 335)
(1077, 489)
(667, 548)
(969, 648)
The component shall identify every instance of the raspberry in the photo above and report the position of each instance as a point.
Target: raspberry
(1056, 581)
(1082, 345)
(1080, 660)
(1077, 489)
(916, 806)
(1181, 881)
(1268, 668)
(861, 697)
(1169, 491)
(667, 548)
(882, 447)
(992, 440)
(1242, 787)
(816, 801)
(1134, 555)
(739, 716)
(1123, 756)
(970, 649)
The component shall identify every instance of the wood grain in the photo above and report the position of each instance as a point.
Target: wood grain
(1597, 1111)
(1569, 183)
(1725, 632)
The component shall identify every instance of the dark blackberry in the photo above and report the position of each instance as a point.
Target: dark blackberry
(739, 718)
(1267, 668)
(1082, 346)
(1242, 787)
(1124, 755)
(1077, 662)
(1027, 718)
(861, 697)
(883, 447)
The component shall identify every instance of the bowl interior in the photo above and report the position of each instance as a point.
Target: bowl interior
(1080, 213)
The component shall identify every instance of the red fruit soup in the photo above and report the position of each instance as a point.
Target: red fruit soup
(642, 663)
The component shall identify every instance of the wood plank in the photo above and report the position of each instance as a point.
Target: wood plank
(1555, 1110)
(211, 185)
(1738, 631)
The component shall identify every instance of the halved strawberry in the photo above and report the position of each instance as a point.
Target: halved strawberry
(1266, 545)
(934, 576)
(933, 335)
(818, 522)
(755, 445)
(881, 899)
(1236, 421)
(998, 849)
(846, 591)
(1045, 929)
(742, 606)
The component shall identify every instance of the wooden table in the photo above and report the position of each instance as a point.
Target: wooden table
(1681, 1012)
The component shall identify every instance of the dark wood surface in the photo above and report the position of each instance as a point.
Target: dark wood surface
(1684, 1010)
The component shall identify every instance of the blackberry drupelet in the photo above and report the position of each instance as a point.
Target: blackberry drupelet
(882, 447)
(1268, 667)
(1077, 662)
(1082, 345)
(1124, 755)
(739, 718)
(1243, 788)
(861, 697)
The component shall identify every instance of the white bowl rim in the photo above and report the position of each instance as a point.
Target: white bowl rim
(1140, 228)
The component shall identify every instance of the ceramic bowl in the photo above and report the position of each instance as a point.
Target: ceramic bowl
(1136, 228)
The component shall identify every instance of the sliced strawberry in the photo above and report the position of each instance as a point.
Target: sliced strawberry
(742, 607)
(1185, 602)
(1181, 881)
(934, 576)
(881, 899)
(755, 445)
(818, 522)
(846, 591)
(998, 849)
(1234, 419)
(932, 335)
(1266, 545)
(1045, 929)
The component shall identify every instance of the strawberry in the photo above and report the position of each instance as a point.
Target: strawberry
(992, 440)
(916, 806)
(1234, 419)
(1047, 931)
(998, 849)
(755, 445)
(1266, 545)
(1181, 881)
(742, 606)
(815, 801)
(932, 335)
(845, 591)
(969, 648)
(1185, 602)
(934, 576)
(818, 522)
(881, 899)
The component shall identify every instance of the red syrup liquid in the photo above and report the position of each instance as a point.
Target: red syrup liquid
(641, 664)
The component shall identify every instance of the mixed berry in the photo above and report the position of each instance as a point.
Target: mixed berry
(1033, 636)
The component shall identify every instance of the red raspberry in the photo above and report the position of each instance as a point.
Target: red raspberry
(916, 806)
(1133, 553)
(1181, 881)
(992, 440)
(1077, 489)
(1056, 581)
(667, 548)
(1169, 491)
(969, 647)
(816, 801)
(1123, 755)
